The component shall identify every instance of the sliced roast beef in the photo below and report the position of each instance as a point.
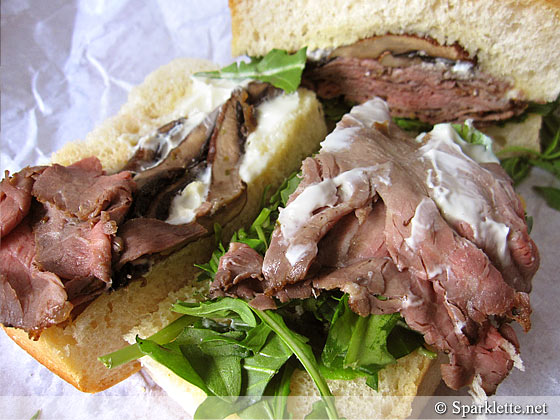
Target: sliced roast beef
(15, 197)
(94, 231)
(83, 191)
(29, 298)
(431, 91)
(239, 263)
(78, 252)
(411, 226)
(145, 236)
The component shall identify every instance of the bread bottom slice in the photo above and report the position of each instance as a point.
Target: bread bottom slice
(399, 383)
(72, 351)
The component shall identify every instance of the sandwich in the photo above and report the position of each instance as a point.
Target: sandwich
(289, 274)
(494, 63)
(97, 239)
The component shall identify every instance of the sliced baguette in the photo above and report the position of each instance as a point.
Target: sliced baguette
(72, 351)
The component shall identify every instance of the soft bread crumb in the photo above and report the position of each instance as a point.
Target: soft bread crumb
(398, 384)
(476, 391)
(512, 352)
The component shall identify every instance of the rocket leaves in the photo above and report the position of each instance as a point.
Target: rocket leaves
(361, 346)
(278, 67)
(232, 352)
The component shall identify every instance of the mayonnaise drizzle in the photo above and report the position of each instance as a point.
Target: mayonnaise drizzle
(454, 191)
(365, 115)
(326, 193)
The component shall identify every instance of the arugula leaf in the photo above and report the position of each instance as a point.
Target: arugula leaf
(412, 125)
(278, 67)
(471, 135)
(360, 346)
(304, 354)
(133, 352)
(335, 108)
(340, 334)
(261, 367)
(222, 308)
(174, 360)
(551, 195)
(219, 367)
(368, 345)
(318, 411)
(281, 389)
(257, 373)
(518, 168)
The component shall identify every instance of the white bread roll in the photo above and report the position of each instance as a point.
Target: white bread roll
(71, 352)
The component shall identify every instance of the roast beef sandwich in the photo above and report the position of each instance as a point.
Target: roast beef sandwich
(98, 238)
(491, 62)
(385, 251)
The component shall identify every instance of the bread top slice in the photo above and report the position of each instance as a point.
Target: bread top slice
(515, 40)
(71, 351)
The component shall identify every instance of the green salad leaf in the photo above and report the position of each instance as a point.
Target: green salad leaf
(551, 195)
(361, 346)
(243, 358)
(412, 125)
(519, 167)
(278, 67)
(471, 135)
(172, 358)
(304, 353)
(133, 352)
(222, 308)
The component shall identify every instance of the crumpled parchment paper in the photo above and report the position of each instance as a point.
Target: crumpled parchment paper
(68, 65)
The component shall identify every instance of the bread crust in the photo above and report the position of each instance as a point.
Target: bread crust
(50, 357)
(513, 40)
(72, 351)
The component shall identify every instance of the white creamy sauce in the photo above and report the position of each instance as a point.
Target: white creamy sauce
(366, 115)
(462, 68)
(184, 205)
(296, 253)
(373, 111)
(296, 214)
(422, 224)
(455, 193)
(326, 193)
(340, 139)
(422, 229)
(319, 53)
(480, 153)
(259, 148)
(205, 96)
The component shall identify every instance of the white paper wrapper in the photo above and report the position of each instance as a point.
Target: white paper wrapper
(68, 65)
